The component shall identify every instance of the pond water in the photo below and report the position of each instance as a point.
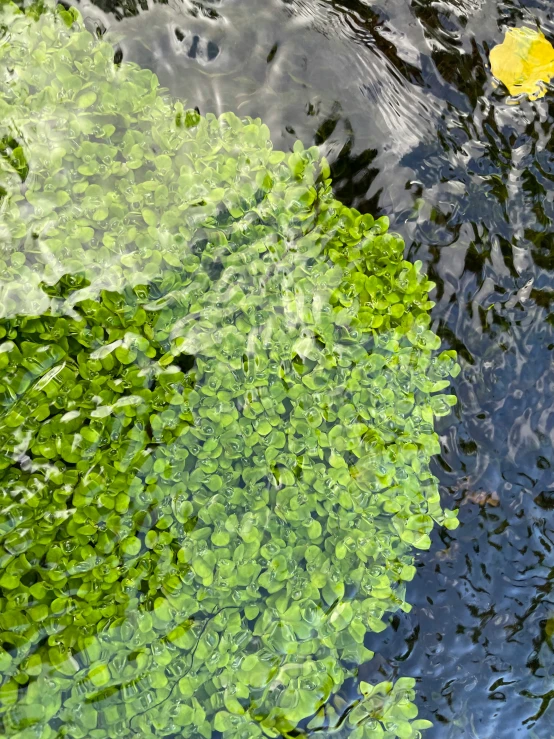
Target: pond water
(399, 97)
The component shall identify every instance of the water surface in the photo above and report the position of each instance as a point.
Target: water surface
(400, 97)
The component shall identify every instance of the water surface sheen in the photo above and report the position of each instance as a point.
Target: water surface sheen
(400, 98)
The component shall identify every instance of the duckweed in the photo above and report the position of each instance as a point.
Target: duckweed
(217, 396)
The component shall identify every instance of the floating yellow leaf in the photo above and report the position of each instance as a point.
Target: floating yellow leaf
(523, 62)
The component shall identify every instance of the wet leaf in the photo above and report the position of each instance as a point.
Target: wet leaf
(523, 62)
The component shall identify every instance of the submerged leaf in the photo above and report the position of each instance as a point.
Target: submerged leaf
(523, 62)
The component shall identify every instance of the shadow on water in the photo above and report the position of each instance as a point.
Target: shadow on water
(399, 96)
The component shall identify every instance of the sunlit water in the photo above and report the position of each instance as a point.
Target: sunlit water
(400, 97)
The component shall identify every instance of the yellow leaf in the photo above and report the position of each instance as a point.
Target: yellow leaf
(524, 61)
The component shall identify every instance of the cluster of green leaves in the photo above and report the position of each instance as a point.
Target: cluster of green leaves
(391, 702)
(217, 395)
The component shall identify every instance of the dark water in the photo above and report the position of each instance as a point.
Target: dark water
(399, 96)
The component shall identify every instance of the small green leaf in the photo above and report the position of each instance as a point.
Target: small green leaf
(86, 99)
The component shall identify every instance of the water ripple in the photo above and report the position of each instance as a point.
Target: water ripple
(400, 96)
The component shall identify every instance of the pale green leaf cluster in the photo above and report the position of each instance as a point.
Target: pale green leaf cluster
(217, 394)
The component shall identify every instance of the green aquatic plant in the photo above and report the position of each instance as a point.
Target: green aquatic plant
(217, 395)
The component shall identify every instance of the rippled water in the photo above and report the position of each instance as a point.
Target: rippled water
(399, 95)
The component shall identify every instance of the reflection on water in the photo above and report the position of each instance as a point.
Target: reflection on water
(217, 402)
(310, 70)
(399, 94)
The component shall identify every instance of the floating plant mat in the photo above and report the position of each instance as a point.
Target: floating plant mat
(217, 398)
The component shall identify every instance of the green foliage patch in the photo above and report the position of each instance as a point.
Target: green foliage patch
(217, 395)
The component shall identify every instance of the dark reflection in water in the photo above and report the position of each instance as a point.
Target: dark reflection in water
(399, 96)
